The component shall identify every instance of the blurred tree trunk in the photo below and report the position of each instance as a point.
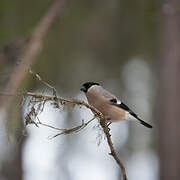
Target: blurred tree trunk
(169, 92)
(11, 168)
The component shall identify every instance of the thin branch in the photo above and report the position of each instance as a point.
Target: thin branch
(49, 126)
(74, 129)
(61, 100)
(38, 77)
(113, 153)
(31, 50)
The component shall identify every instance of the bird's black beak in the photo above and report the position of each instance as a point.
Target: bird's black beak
(83, 89)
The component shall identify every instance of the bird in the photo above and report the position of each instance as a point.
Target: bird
(108, 104)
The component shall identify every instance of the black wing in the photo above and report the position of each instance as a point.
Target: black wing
(126, 108)
(123, 106)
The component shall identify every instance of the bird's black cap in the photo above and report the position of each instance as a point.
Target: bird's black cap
(87, 85)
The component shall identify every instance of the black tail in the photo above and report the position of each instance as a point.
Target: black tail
(144, 123)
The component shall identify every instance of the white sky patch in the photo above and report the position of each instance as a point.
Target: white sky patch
(91, 168)
(143, 166)
(140, 85)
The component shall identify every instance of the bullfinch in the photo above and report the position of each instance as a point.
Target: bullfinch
(108, 104)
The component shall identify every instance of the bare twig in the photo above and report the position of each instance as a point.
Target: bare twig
(106, 130)
(38, 77)
(31, 50)
(97, 113)
(61, 100)
(74, 129)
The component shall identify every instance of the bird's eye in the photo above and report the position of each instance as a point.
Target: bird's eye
(113, 100)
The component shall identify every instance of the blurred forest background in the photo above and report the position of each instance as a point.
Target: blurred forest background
(132, 48)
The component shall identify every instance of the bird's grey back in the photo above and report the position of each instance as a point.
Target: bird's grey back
(105, 93)
(98, 92)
